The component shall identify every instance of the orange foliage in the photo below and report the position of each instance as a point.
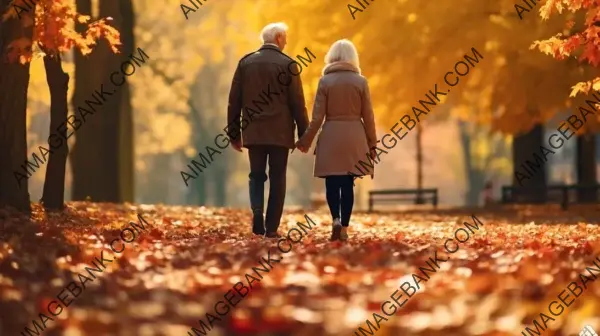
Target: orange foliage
(583, 44)
(54, 30)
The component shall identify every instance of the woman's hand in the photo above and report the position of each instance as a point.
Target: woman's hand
(301, 147)
(373, 153)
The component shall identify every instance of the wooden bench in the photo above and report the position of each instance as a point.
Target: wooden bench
(317, 201)
(418, 196)
(559, 193)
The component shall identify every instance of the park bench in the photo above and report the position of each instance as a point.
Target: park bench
(418, 196)
(560, 193)
(317, 201)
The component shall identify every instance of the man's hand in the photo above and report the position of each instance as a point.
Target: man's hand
(237, 145)
(301, 147)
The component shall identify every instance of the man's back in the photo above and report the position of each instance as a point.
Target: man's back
(259, 75)
(268, 90)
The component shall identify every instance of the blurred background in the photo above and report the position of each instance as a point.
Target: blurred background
(134, 148)
(178, 98)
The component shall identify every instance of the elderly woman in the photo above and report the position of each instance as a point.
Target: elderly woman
(343, 101)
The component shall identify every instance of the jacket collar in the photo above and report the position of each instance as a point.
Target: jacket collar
(340, 66)
(270, 46)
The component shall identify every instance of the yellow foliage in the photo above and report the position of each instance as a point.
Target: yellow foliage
(407, 46)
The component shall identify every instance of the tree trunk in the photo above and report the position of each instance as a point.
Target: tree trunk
(586, 168)
(221, 89)
(524, 146)
(465, 142)
(204, 103)
(126, 148)
(14, 82)
(198, 185)
(419, 200)
(96, 155)
(472, 196)
(477, 176)
(597, 154)
(106, 142)
(199, 190)
(54, 183)
(220, 187)
(85, 156)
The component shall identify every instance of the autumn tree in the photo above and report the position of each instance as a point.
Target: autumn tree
(17, 37)
(102, 158)
(417, 43)
(58, 83)
(185, 107)
(579, 41)
(46, 28)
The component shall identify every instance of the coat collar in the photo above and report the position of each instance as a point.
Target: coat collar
(340, 66)
(270, 46)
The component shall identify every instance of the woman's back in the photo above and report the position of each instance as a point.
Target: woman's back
(345, 89)
(343, 108)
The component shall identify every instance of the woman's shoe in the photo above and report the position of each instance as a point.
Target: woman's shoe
(336, 229)
(344, 233)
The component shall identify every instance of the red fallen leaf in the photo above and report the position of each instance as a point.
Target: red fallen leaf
(44, 302)
(241, 325)
(260, 324)
(156, 234)
(276, 325)
(532, 244)
(373, 306)
(257, 286)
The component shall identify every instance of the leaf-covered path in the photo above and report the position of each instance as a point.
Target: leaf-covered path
(187, 258)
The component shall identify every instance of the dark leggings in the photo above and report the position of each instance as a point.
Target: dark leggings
(339, 190)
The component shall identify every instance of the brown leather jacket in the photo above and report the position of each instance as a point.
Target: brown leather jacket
(269, 99)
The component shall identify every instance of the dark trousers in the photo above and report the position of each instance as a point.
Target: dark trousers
(277, 157)
(339, 191)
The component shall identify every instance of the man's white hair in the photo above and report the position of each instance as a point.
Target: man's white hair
(342, 51)
(270, 31)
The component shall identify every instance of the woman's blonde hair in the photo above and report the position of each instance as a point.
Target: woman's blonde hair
(342, 51)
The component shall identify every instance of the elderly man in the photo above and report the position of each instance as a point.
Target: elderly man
(266, 93)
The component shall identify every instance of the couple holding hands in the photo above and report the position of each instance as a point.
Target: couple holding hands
(342, 110)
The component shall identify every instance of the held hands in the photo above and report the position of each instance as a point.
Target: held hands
(301, 147)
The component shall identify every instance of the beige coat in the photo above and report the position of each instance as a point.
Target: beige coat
(344, 102)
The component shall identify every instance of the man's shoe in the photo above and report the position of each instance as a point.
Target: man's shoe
(256, 188)
(258, 222)
(336, 229)
(273, 235)
(344, 233)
